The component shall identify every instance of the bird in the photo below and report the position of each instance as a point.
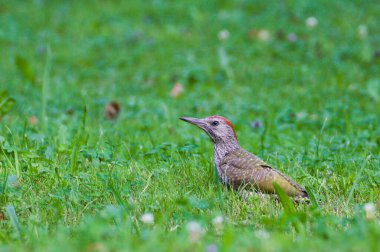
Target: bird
(240, 169)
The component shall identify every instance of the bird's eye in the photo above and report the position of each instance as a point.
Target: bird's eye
(215, 123)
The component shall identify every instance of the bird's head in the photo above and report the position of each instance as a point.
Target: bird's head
(219, 128)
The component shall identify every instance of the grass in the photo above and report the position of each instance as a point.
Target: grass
(72, 181)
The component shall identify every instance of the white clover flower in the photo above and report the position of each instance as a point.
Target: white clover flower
(292, 37)
(223, 34)
(301, 115)
(195, 231)
(362, 31)
(370, 210)
(311, 22)
(262, 234)
(218, 221)
(147, 218)
(263, 35)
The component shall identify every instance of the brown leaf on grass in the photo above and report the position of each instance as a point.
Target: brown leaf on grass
(177, 90)
(280, 34)
(2, 216)
(262, 34)
(376, 54)
(70, 111)
(252, 34)
(97, 247)
(112, 110)
(33, 120)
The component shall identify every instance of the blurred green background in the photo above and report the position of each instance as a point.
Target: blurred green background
(299, 79)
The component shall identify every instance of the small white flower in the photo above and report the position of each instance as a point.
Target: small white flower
(329, 173)
(147, 218)
(311, 22)
(223, 34)
(301, 115)
(194, 226)
(362, 31)
(218, 221)
(195, 231)
(262, 234)
(263, 35)
(370, 210)
(292, 37)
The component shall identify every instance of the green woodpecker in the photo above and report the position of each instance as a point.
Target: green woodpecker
(237, 167)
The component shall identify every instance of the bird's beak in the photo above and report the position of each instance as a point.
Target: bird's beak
(199, 122)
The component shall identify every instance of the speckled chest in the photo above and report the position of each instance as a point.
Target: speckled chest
(222, 169)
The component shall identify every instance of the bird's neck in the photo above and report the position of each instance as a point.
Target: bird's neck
(223, 148)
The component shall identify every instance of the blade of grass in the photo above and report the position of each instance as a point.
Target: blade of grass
(319, 137)
(45, 83)
(313, 200)
(357, 177)
(285, 200)
(5, 183)
(78, 141)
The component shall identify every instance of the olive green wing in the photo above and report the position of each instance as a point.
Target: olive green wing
(243, 169)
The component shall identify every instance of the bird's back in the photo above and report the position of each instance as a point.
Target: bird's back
(243, 169)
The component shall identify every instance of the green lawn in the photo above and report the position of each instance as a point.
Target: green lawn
(70, 180)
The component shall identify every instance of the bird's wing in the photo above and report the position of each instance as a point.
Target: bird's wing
(242, 168)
